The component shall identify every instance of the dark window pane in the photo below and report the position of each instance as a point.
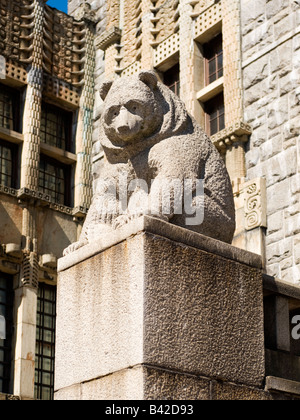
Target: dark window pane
(6, 310)
(56, 127)
(222, 122)
(171, 79)
(45, 344)
(213, 126)
(54, 180)
(8, 164)
(220, 65)
(9, 108)
(215, 114)
(213, 54)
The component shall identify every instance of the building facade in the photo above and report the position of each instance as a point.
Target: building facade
(46, 108)
(235, 64)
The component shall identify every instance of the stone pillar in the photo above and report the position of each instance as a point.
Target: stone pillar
(33, 102)
(158, 312)
(84, 132)
(146, 48)
(24, 363)
(26, 307)
(26, 292)
(233, 87)
(187, 80)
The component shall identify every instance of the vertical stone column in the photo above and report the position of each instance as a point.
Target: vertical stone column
(235, 158)
(26, 307)
(186, 48)
(26, 292)
(147, 51)
(84, 133)
(233, 87)
(33, 102)
(24, 360)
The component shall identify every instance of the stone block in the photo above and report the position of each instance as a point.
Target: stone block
(279, 251)
(229, 392)
(154, 294)
(279, 196)
(297, 249)
(128, 384)
(275, 222)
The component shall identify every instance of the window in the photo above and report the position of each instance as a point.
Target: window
(56, 127)
(215, 115)
(9, 108)
(172, 80)
(54, 179)
(6, 310)
(45, 342)
(8, 164)
(213, 54)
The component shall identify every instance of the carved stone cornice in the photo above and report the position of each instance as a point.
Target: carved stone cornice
(109, 37)
(237, 132)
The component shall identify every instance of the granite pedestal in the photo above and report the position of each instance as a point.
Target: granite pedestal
(158, 312)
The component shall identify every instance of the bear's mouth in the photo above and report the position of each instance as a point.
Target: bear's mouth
(127, 133)
(124, 131)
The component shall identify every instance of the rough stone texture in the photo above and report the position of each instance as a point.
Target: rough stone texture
(148, 136)
(271, 65)
(154, 301)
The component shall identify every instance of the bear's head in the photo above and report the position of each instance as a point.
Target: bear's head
(131, 110)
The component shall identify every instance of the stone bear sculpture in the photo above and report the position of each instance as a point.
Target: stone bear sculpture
(149, 140)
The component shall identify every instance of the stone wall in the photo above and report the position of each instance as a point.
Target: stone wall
(271, 69)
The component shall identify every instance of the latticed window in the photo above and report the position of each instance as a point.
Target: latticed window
(6, 311)
(54, 179)
(56, 127)
(172, 79)
(213, 54)
(215, 114)
(9, 108)
(45, 342)
(8, 164)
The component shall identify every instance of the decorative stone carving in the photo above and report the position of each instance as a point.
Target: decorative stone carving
(255, 204)
(109, 37)
(85, 12)
(150, 141)
(30, 270)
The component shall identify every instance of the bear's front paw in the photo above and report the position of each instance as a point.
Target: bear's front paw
(121, 221)
(73, 247)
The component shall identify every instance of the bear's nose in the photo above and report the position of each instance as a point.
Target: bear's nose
(123, 121)
(123, 129)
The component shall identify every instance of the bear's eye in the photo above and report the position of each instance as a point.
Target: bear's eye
(132, 106)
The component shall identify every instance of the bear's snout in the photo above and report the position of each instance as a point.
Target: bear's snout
(126, 123)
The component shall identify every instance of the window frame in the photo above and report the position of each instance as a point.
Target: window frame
(42, 343)
(16, 107)
(14, 162)
(67, 180)
(214, 104)
(212, 50)
(170, 74)
(66, 116)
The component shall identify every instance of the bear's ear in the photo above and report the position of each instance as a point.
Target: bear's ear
(104, 89)
(149, 78)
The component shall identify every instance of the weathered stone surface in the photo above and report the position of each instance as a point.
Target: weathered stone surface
(270, 45)
(150, 143)
(140, 383)
(162, 302)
